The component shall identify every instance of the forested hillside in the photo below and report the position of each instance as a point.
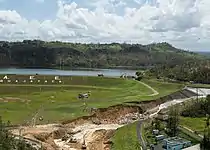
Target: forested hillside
(196, 71)
(54, 54)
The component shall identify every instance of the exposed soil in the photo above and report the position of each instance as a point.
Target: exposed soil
(105, 115)
(181, 94)
(90, 132)
(101, 140)
(93, 132)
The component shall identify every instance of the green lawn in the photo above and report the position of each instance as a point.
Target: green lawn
(104, 92)
(164, 88)
(58, 100)
(125, 138)
(194, 138)
(195, 124)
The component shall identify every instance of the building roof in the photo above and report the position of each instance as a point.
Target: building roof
(160, 136)
(176, 141)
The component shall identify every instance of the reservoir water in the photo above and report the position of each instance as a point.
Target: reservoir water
(75, 72)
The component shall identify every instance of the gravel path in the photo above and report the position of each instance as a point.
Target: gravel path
(153, 90)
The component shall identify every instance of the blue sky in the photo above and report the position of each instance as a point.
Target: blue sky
(179, 22)
(31, 9)
(46, 9)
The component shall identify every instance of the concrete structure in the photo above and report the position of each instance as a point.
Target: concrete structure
(162, 117)
(195, 147)
(200, 91)
(175, 143)
(155, 132)
(160, 137)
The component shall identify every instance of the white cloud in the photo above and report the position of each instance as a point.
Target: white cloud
(176, 21)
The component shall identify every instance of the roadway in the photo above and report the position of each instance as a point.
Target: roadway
(139, 134)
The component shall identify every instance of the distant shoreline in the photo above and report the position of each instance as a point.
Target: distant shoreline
(76, 68)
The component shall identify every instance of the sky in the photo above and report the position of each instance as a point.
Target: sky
(183, 23)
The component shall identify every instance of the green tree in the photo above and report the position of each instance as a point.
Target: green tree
(157, 124)
(139, 75)
(207, 121)
(173, 122)
(8, 141)
(208, 104)
(205, 143)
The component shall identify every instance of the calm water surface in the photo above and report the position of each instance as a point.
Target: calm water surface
(78, 72)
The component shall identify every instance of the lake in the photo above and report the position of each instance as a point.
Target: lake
(75, 72)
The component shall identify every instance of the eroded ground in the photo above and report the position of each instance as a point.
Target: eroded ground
(91, 133)
(94, 132)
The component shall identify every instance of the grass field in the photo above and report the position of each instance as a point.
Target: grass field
(59, 101)
(195, 124)
(164, 88)
(125, 138)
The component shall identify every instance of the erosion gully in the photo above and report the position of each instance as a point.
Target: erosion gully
(94, 132)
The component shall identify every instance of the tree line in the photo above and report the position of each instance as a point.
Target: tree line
(8, 140)
(196, 71)
(193, 110)
(40, 54)
(200, 108)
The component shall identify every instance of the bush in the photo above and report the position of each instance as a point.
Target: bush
(139, 78)
(8, 141)
(197, 109)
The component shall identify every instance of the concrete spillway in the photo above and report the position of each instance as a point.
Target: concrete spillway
(199, 91)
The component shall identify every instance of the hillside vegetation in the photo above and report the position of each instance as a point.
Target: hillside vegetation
(54, 54)
(196, 71)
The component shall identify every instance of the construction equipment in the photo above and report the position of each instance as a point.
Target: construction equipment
(83, 96)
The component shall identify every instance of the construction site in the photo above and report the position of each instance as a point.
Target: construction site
(94, 132)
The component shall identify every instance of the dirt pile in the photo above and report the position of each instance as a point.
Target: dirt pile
(41, 135)
(90, 132)
(113, 114)
(181, 94)
(89, 136)
(128, 118)
(101, 140)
